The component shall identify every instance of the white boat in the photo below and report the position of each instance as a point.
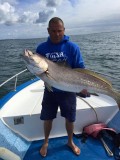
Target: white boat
(20, 113)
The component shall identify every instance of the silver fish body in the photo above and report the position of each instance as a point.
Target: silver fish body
(66, 78)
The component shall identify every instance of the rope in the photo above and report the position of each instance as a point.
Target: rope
(90, 107)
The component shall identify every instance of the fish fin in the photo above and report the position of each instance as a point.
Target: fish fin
(63, 63)
(49, 76)
(48, 87)
(95, 75)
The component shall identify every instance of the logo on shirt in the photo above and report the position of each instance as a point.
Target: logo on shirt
(56, 56)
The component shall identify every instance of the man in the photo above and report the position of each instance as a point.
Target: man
(58, 48)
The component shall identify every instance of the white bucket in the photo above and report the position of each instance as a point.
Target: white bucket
(6, 154)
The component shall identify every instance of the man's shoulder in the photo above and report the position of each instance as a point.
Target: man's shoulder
(72, 44)
(41, 47)
(42, 44)
(68, 40)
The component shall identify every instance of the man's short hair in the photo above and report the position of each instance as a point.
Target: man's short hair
(55, 20)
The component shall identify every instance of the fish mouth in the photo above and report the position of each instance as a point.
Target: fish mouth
(25, 56)
(28, 53)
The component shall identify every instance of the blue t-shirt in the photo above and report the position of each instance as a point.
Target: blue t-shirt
(64, 51)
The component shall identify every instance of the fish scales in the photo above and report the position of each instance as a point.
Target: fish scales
(66, 77)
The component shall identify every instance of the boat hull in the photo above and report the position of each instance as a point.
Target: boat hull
(21, 113)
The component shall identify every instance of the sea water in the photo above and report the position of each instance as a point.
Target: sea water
(100, 51)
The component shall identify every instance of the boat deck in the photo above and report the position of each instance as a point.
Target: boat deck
(92, 149)
(58, 150)
(105, 107)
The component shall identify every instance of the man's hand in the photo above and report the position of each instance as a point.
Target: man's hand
(84, 93)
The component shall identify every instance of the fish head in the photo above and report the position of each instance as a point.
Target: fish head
(35, 63)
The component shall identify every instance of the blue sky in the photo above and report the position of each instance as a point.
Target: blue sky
(29, 18)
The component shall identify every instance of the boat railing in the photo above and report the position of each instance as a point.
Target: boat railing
(16, 79)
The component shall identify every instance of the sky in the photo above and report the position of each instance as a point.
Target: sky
(29, 18)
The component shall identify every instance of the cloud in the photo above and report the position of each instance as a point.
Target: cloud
(12, 2)
(7, 14)
(74, 2)
(39, 11)
(49, 8)
(29, 15)
(44, 15)
(11, 14)
(53, 3)
(88, 11)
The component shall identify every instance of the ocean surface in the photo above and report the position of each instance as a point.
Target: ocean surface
(101, 53)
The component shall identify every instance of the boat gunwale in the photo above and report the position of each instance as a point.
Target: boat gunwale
(10, 94)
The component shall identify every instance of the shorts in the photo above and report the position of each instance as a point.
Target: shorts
(52, 100)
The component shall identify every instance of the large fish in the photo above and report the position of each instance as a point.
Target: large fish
(66, 78)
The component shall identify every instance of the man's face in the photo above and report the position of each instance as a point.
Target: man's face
(56, 31)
